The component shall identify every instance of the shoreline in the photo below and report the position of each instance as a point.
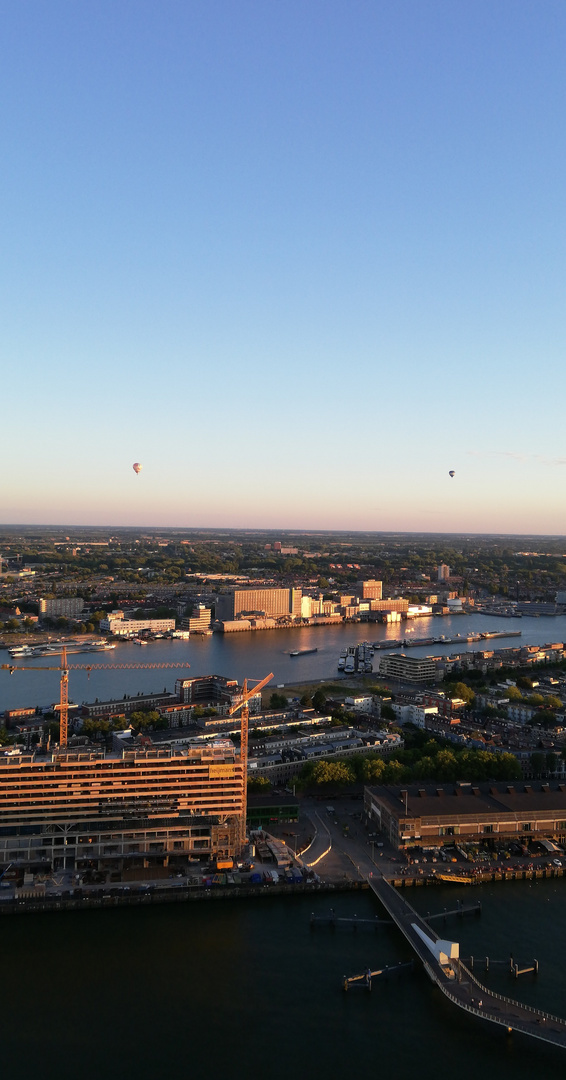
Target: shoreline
(193, 894)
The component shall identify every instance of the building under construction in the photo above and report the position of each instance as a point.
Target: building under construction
(140, 809)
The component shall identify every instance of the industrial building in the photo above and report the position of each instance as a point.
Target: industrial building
(431, 815)
(135, 810)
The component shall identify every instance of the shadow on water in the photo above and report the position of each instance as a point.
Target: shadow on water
(246, 988)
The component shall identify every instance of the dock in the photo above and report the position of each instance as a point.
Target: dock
(444, 967)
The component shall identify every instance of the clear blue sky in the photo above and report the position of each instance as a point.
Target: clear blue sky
(299, 259)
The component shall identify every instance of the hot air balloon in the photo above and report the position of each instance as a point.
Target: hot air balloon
(451, 473)
(137, 467)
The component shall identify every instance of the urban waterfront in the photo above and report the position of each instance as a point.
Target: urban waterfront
(246, 988)
(254, 654)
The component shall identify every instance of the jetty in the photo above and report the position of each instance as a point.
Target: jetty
(441, 960)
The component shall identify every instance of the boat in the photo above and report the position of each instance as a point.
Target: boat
(302, 652)
(342, 663)
(21, 650)
(139, 641)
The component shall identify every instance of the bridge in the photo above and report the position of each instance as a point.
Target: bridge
(442, 963)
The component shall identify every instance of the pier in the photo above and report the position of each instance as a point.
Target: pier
(442, 963)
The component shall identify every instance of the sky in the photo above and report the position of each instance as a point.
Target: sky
(298, 259)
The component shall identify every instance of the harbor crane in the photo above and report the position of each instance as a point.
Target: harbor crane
(64, 668)
(243, 705)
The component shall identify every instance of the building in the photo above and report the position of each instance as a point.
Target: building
(214, 691)
(276, 603)
(434, 814)
(135, 810)
(199, 620)
(266, 809)
(415, 669)
(125, 705)
(121, 625)
(370, 589)
(67, 606)
(443, 572)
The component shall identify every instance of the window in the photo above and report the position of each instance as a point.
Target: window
(488, 828)
(526, 826)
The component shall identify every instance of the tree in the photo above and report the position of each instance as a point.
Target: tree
(387, 713)
(259, 784)
(319, 700)
(372, 769)
(144, 718)
(514, 694)
(278, 701)
(306, 701)
(460, 690)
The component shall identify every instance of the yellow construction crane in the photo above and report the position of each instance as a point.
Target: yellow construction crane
(244, 717)
(64, 668)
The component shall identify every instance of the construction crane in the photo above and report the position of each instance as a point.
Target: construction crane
(244, 717)
(64, 668)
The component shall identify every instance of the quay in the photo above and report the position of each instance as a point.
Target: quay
(441, 961)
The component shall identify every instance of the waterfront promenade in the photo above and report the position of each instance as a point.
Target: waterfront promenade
(455, 980)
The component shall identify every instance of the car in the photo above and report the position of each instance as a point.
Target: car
(557, 862)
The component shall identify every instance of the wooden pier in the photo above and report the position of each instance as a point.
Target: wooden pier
(363, 982)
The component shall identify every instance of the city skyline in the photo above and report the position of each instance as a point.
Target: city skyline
(299, 263)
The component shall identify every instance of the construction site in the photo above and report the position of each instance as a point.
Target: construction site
(137, 812)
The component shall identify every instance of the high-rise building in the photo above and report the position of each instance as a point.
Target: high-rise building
(275, 603)
(370, 589)
(443, 572)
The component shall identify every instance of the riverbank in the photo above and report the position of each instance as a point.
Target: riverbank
(172, 894)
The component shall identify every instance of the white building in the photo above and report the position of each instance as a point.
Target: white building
(120, 626)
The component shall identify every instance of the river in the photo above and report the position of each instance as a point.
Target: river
(244, 988)
(254, 654)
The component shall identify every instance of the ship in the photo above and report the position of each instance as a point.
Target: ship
(302, 652)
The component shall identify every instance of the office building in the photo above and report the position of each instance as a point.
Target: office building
(214, 691)
(122, 625)
(370, 589)
(199, 620)
(443, 572)
(274, 603)
(414, 669)
(134, 810)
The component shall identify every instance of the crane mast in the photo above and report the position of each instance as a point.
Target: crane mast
(244, 725)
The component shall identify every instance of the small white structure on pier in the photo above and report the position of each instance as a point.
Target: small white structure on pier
(443, 951)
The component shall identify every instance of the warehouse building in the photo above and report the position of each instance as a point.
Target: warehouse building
(435, 814)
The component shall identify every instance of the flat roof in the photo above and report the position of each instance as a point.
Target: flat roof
(464, 799)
